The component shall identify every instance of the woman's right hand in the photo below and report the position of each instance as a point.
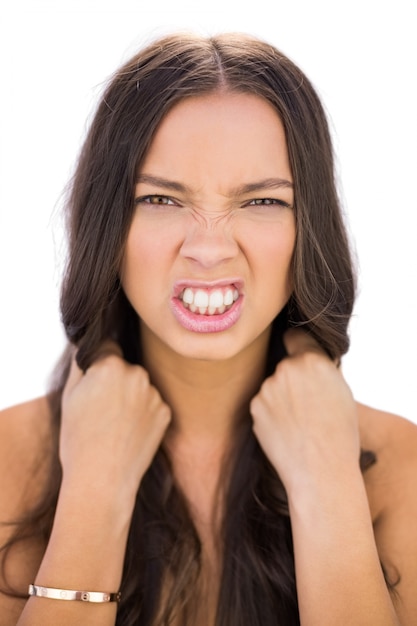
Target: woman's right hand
(113, 421)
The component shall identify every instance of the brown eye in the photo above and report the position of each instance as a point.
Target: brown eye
(155, 199)
(158, 200)
(267, 202)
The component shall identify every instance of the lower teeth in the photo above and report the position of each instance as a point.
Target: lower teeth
(207, 310)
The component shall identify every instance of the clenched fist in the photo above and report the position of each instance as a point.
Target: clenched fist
(304, 415)
(113, 421)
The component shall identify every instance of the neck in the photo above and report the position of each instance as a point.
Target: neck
(208, 399)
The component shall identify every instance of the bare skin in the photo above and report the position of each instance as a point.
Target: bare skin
(390, 492)
(218, 218)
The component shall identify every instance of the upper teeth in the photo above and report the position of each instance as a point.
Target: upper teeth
(203, 299)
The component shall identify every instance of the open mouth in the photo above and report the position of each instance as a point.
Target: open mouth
(208, 308)
(213, 301)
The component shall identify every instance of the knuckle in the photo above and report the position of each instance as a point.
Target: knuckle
(113, 360)
(255, 405)
(165, 414)
(141, 376)
(309, 360)
(106, 364)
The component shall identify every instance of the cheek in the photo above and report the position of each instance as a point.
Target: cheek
(149, 254)
(274, 246)
(277, 254)
(143, 247)
(135, 260)
(138, 271)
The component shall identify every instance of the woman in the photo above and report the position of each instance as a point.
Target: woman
(200, 451)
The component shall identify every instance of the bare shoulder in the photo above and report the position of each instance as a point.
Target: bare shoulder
(25, 451)
(392, 491)
(25, 422)
(17, 420)
(392, 438)
(25, 434)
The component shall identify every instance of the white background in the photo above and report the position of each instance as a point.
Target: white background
(54, 59)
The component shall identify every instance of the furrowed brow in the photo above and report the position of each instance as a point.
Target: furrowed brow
(247, 188)
(157, 181)
(267, 183)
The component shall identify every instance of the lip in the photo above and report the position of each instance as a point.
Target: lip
(197, 323)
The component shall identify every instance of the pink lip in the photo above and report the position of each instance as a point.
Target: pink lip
(206, 323)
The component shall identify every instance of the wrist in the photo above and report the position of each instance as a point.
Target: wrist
(95, 496)
(52, 593)
(331, 490)
(89, 515)
(87, 545)
(320, 471)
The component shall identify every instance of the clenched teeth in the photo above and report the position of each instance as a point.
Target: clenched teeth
(206, 302)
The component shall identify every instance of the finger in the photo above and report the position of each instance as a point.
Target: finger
(298, 342)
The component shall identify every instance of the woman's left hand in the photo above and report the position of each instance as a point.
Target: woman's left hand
(304, 415)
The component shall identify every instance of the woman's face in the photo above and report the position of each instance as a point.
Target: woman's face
(207, 259)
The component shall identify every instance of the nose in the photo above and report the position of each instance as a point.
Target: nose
(209, 243)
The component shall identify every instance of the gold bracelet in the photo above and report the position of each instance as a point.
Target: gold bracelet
(70, 594)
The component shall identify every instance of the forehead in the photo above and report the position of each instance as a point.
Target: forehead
(226, 136)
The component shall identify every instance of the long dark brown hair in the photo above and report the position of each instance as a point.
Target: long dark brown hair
(258, 577)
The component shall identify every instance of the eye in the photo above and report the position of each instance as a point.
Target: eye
(267, 202)
(156, 199)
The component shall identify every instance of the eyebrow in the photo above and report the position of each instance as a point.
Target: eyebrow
(267, 183)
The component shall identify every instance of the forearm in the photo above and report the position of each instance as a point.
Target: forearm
(339, 577)
(85, 552)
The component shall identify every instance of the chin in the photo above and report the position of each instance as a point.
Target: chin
(216, 347)
(208, 353)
